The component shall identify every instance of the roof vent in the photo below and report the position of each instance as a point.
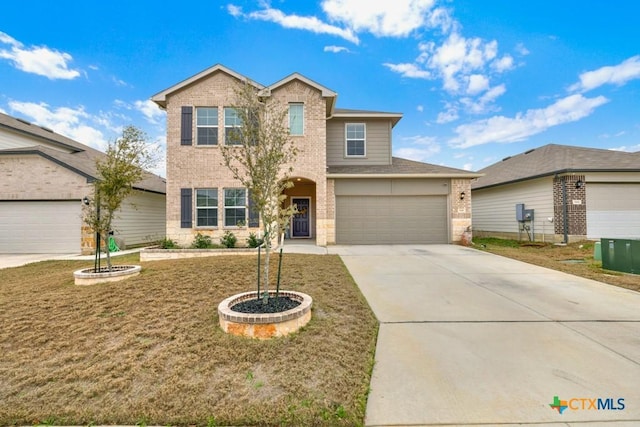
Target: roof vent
(46, 128)
(530, 151)
(23, 121)
(506, 158)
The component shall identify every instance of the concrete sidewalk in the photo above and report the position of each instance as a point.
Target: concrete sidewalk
(468, 338)
(17, 260)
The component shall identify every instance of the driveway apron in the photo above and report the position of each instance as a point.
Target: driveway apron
(467, 337)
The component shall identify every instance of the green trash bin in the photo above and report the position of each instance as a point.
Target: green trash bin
(621, 255)
(597, 251)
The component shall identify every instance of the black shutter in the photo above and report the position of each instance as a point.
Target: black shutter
(186, 204)
(254, 216)
(186, 126)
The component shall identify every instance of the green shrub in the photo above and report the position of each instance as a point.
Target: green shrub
(167, 243)
(228, 240)
(202, 242)
(254, 241)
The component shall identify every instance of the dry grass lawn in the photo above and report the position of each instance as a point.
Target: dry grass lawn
(148, 350)
(561, 258)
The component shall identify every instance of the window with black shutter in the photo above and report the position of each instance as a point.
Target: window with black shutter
(186, 126)
(186, 206)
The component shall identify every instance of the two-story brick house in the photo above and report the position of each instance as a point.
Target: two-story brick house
(348, 186)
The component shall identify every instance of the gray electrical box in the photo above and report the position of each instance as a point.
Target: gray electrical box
(523, 214)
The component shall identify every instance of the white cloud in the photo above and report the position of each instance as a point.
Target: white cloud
(450, 114)
(408, 70)
(504, 129)
(628, 149)
(441, 18)
(421, 148)
(235, 11)
(522, 50)
(309, 23)
(617, 74)
(477, 83)
(503, 64)
(335, 49)
(150, 110)
(38, 60)
(69, 122)
(484, 103)
(420, 108)
(396, 18)
(468, 166)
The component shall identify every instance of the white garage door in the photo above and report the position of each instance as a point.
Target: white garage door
(366, 220)
(613, 210)
(40, 227)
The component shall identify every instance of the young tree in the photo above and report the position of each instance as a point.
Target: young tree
(124, 165)
(260, 155)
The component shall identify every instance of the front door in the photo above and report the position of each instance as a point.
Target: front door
(300, 223)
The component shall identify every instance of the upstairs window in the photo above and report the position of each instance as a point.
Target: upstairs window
(207, 207)
(235, 207)
(296, 119)
(355, 139)
(207, 126)
(232, 125)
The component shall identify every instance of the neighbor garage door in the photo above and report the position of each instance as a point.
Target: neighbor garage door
(40, 227)
(613, 210)
(391, 219)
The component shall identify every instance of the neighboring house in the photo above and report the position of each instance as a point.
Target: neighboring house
(43, 180)
(575, 193)
(348, 187)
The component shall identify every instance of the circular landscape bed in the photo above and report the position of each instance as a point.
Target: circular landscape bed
(89, 276)
(280, 317)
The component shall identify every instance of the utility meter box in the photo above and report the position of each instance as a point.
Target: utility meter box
(520, 212)
(528, 214)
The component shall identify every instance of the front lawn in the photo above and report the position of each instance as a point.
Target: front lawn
(148, 350)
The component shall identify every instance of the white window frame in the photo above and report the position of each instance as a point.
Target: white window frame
(232, 126)
(347, 139)
(244, 207)
(297, 104)
(215, 207)
(207, 126)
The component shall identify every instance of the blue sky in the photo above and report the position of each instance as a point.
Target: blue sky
(476, 80)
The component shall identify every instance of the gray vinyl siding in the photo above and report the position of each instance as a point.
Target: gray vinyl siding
(12, 140)
(378, 142)
(494, 208)
(142, 218)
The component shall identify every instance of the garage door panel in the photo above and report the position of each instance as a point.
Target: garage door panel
(40, 227)
(391, 219)
(613, 210)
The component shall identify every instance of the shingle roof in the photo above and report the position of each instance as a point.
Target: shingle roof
(399, 167)
(553, 158)
(81, 159)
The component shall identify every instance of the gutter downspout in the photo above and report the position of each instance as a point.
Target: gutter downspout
(565, 210)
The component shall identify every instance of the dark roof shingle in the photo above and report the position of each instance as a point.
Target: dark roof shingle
(400, 166)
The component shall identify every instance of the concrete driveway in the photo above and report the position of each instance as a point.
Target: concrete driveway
(468, 337)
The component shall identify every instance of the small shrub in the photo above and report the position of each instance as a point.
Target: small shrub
(167, 243)
(228, 240)
(254, 241)
(202, 241)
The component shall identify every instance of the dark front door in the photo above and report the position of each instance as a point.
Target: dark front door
(300, 223)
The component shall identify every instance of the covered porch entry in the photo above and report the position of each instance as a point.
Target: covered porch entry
(303, 195)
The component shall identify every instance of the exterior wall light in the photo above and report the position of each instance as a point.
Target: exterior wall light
(462, 196)
(579, 183)
(85, 200)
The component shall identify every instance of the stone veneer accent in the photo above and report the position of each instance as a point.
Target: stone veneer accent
(460, 209)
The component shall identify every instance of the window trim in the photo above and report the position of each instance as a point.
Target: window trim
(216, 208)
(301, 104)
(245, 207)
(346, 140)
(216, 126)
(234, 126)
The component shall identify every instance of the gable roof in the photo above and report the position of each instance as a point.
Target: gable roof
(78, 158)
(556, 159)
(399, 168)
(364, 114)
(329, 95)
(160, 98)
